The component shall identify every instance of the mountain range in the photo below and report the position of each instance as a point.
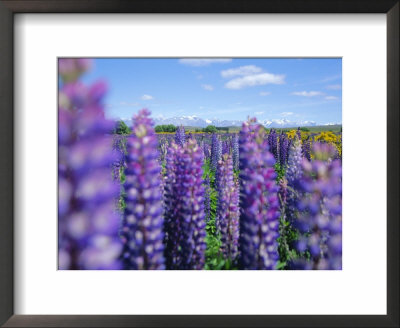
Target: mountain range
(198, 122)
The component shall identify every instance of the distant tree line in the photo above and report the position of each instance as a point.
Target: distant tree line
(165, 128)
(212, 129)
(208, 129)
(122, 128)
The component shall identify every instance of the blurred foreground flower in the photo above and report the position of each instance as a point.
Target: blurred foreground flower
(259, 219)
(88, 219)
(320, 212)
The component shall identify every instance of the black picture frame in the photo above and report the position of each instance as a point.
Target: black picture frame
(10, 7)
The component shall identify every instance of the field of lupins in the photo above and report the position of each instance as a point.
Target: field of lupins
(253, 200)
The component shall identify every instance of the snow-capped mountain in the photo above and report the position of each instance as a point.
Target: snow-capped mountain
(198, 122)
(183, 120)
(284, 123)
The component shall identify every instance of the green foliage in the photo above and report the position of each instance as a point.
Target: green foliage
(210, 129)
(165, 128)
(122, 128)
(214, 257)
(121, 201)
(305, 129)
(287, 236)
(280, 171)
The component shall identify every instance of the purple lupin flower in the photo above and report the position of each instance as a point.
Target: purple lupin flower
(227, 217)
(216, 151)
(298, 133)
(293, 174)
(320, 211)
(235, 151)
(207, 200)
(163, 152)
(306, 148)
(283, 149)
(259, 219)
(142, 231)
(184, 202)
(172, 226)
(180, 136)
(87, 217)
(273, 143)
(225, 147)
(206, 150)
(119, 145)
(71, 69)
(283, 191)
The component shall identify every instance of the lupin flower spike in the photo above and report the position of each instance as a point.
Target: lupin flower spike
(216, 151)
(227, 217)
(293, 174)
(184, 203)
(180, 136)
(142, 231)
(259, 219)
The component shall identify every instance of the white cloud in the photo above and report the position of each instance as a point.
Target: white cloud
(147, 97)
(204, 61)
(307, 93)
(264, 93)
(253, 80)
(333, 87)
(284, 114)
(331, 98)
(258, 113)
(241, 71)
(207, 87)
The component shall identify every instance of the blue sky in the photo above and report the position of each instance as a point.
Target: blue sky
(297, 90)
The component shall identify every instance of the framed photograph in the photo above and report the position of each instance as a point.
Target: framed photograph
(218, 164)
